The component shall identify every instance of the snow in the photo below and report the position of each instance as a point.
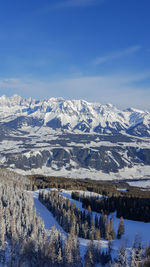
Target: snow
(46, 215)
(32, 153)
(136, 172)
(122, 189)
(2, 159)
(133, 229)
(72, 112)
(9, 145)
(67, 193)
(50, 221)
(142, 183)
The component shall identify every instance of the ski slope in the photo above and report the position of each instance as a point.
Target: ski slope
(132, 228)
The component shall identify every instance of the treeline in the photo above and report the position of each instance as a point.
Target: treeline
(107, 188)
(75, 221)
(130, 208)
(41, 182)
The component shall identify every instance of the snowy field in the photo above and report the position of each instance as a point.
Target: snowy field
(143, 184)
(136, 172)
(132, 228)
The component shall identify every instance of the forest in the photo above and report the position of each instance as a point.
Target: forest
(73, 220)
(131, 208)
(107, 188)
(25, 242)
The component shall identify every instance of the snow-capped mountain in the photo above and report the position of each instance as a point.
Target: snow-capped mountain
(65, 135)
(73, 115)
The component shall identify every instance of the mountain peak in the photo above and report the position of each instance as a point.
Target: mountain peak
(74, 115)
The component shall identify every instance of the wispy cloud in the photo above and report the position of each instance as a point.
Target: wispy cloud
(122, 90)
(117, 55)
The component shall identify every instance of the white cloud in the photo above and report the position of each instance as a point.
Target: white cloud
(119, 90)
(117, 55)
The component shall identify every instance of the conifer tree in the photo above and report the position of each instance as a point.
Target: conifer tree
(121, 229)
(92, 230)
(68, 257)
(89, 255)
(59, 257)
(97, 234)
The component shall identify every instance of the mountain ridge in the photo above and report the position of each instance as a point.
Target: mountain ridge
(74, 115)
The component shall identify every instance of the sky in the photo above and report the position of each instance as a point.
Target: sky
(96, 50)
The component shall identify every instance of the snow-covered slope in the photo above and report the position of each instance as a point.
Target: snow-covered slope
(133, 229)
(73, 137)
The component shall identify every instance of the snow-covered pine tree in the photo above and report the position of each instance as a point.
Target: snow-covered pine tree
(121, 228)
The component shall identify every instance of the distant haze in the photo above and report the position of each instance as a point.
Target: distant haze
(117, 90)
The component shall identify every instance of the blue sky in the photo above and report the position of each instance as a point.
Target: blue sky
(97, 50)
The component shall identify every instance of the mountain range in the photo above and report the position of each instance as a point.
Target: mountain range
(73, 136)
